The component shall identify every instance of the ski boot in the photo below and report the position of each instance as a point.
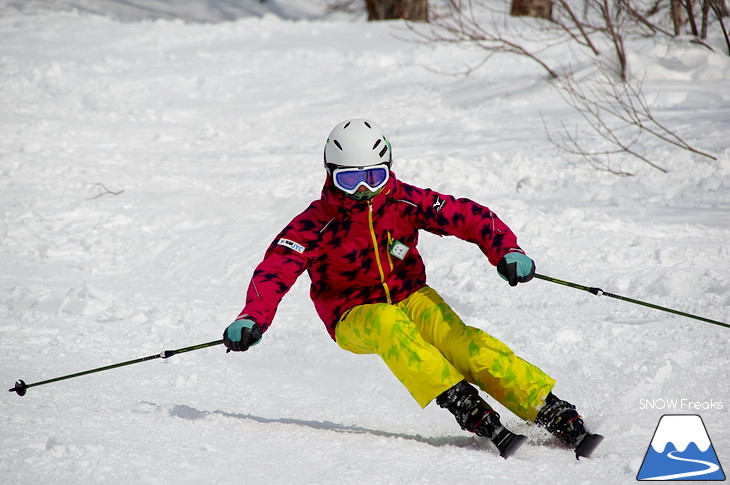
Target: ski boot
(562, 420)
(474, 415)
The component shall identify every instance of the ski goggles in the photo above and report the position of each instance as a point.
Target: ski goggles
(349, 179)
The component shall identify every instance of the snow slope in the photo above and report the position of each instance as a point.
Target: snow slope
(145, 164)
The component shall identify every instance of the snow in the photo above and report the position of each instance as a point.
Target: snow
(147, 161)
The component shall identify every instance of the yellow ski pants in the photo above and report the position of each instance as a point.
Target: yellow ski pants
(429, 349)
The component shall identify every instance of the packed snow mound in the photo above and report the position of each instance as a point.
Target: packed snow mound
(184, 10)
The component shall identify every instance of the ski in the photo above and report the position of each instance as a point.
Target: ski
(586, 446)
(508, 442)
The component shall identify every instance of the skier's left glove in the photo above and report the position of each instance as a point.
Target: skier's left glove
(515, 268)
(242, 334)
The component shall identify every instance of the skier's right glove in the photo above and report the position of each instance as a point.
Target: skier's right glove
(242, 334)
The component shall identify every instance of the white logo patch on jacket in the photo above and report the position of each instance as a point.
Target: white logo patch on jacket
(439, 204)
(291, 245)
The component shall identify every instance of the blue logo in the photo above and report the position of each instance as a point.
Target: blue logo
(681, 450)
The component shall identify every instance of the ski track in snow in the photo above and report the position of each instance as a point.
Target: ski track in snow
(211, 137)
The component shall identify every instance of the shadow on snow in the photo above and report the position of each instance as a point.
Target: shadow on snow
(186, 412)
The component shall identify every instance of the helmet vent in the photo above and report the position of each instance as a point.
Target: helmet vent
(377, 142)
(337, 144)
(368, 125)
(346, 125)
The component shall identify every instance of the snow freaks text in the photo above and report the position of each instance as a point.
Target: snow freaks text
(682, 404)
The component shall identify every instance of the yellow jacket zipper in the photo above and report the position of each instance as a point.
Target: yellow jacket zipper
(377, 252)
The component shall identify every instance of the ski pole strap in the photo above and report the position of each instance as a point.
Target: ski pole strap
(21, 387)
(599, 292)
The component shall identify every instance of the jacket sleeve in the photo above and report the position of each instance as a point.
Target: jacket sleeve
(446, 215)
(285, 260)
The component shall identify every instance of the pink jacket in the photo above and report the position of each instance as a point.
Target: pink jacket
(359, 252)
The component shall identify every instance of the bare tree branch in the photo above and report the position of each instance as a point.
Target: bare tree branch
(102, 190)
(579, 25)
(461, 28)
(612, 106)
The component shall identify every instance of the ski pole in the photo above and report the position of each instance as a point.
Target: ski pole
(21, 387)
(599, 292)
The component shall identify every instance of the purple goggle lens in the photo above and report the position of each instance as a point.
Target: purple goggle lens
(349, 179)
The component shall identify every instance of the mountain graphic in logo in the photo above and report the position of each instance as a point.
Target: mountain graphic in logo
(681, 450)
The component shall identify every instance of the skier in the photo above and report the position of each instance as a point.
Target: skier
(358, 243)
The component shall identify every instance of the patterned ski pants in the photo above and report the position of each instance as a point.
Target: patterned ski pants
(429, 349)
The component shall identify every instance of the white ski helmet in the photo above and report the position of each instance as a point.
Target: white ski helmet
(356, 143)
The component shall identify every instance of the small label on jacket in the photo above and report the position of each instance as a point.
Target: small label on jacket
(399, 250)
(291, 245)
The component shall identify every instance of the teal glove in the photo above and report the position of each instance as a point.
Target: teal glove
(515, 268)
(242, 334)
